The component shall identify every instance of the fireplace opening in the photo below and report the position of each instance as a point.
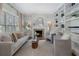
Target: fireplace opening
(39, 33)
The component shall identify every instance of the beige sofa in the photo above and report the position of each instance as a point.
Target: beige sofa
(9, 47)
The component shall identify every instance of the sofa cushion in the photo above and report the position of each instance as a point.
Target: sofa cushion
(18, 35)
(4, 37)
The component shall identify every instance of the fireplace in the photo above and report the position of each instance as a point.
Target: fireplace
(39, 34)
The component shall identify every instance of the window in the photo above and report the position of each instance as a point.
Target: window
(2, 28)
(2, 23)
(8, 23)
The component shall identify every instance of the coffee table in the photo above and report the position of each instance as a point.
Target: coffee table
(34, 43)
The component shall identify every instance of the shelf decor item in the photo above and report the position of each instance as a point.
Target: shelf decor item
(56, 21)
(62, 14)
(72, 4)
(62, 25)
(56, 14)
(56, 25)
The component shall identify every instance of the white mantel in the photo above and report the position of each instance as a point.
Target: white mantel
(38, 28)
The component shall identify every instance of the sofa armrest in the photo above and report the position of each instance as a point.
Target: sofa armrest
(5, 48)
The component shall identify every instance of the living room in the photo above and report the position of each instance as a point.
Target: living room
(17, 28)
(39, 29)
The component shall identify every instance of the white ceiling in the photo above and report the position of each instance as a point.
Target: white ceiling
(37, 8)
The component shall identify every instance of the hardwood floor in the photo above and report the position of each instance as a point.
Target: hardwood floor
(45, 48)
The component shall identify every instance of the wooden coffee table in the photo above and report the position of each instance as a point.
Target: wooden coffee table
(34, 44)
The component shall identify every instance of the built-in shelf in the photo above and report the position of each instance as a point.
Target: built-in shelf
(73, 27)
(76, 33)
(72, 11)
(76, 41)
(71, 19)
(68, 15)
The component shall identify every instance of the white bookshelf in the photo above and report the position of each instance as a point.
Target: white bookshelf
(71, 9)
(68, 20)
(72, 21)
(75, 47)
